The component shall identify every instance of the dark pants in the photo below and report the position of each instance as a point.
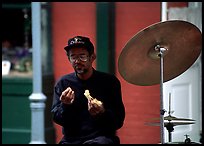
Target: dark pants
(96, 140)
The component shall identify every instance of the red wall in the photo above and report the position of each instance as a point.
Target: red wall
(70, 19)
(141, 102)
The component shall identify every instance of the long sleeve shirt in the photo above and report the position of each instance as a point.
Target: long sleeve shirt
(76, 119)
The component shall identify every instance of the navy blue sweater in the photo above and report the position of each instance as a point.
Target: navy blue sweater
(75, 119)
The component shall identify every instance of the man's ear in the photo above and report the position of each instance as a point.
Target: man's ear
(93, 57)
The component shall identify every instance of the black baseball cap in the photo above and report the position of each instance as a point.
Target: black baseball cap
(80, 41)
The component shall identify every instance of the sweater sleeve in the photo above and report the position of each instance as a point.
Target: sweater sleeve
(114, 115)
(58, 108)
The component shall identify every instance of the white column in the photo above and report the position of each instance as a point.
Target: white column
(164, 11)
(37, 98)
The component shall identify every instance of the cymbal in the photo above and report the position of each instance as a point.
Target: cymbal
(171, 118)
(139, 61)
(166, 123)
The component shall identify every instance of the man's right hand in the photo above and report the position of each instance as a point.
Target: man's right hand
(67, 96)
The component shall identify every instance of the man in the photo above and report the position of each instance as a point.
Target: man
(90, 119)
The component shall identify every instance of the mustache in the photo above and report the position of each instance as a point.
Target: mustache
(78, 64)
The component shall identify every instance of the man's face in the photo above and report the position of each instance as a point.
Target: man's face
(80, 59)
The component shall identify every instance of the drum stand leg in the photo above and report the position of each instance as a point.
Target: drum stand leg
(162, 111)
(170, 129)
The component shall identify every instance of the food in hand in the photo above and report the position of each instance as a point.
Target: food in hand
(89, 97)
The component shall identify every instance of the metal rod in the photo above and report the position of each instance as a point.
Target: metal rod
(169, 114)
(170, 136)
(169, 104)
(161, 50)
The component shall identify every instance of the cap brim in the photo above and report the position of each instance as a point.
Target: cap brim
(74, 45)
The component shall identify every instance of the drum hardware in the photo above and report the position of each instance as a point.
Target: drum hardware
(172, 118)
(182, 143)
(170, 126)
(172, 121)
(187, 140)
(141, 60)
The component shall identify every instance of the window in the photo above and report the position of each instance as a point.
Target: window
(16, 37)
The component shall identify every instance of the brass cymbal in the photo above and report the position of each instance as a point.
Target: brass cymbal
(171, 118)
(166, 123)
(139, 61)
(177, 123)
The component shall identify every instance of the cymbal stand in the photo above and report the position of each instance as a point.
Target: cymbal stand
(162, 111)
(170, 128)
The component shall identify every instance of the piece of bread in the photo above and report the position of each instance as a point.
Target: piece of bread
(89, 97)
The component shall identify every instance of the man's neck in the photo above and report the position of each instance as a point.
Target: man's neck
(87, 75)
